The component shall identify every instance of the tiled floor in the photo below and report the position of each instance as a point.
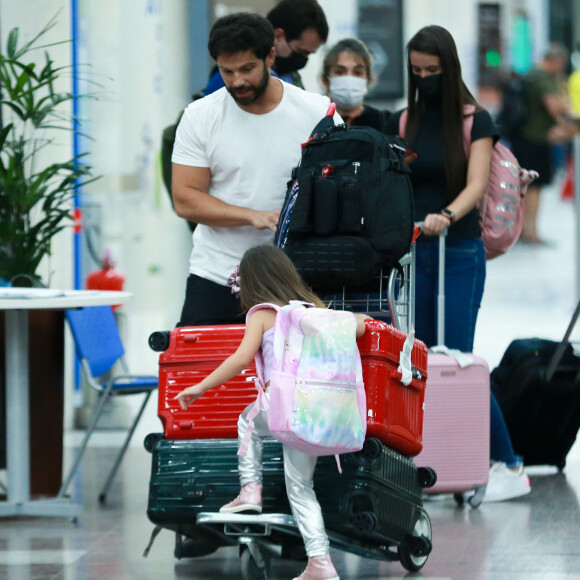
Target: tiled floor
(530, 291)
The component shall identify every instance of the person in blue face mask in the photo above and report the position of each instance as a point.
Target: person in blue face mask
(347, 77)
(447, 184)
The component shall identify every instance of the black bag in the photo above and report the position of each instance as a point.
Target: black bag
(167, 143)
(537, 385)
(348, 210)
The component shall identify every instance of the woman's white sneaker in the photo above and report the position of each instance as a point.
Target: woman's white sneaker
(506, 483)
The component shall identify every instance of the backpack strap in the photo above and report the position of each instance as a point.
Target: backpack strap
(468, 113)
(261, 403)
(260, 385)
(403, 123)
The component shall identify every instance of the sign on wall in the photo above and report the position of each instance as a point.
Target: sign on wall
(380, 27)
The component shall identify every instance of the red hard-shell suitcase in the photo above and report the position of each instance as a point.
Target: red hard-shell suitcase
(193, 353)
(394, 411)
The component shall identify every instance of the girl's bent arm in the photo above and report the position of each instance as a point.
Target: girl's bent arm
(232, 366)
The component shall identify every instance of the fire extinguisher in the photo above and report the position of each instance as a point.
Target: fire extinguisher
(107, 278)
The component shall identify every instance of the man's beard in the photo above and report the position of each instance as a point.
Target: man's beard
(257, 90)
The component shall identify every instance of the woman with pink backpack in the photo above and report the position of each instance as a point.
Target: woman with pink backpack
(447, 186)
(268, 278)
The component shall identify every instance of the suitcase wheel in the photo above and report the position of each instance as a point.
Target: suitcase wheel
(159, 340)
(151, 439)
(415, 550)
(364, 522)
(427, 476)
(372, 448)
(474, 498)
(251, 569)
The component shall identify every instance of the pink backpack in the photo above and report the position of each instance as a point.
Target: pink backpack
(501, 209)
(317, 402)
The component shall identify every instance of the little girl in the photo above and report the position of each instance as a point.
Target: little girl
(266, 274)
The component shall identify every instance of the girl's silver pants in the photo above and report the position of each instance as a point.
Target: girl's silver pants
(298, 472)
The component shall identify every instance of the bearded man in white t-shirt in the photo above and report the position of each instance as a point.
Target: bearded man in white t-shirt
(233, 156)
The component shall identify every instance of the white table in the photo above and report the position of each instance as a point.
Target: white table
(17, 391)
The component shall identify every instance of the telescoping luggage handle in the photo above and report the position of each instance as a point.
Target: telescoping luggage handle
(463, 359)
(559, 353)
(441, 294)
(441, 287)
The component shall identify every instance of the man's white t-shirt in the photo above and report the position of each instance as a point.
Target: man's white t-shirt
(251, 159)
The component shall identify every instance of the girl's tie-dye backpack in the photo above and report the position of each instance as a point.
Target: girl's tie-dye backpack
(316, 402)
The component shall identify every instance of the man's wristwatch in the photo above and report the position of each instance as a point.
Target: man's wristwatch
(449, 214)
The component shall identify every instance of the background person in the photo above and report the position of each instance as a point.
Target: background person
(547, 122)
(574, 83)
(233, 155)
(446, 188)
(347, 77)
(300, 27)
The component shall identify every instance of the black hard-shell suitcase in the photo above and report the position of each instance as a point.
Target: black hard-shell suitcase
(375, 504)
(201, 475)
(537, 385)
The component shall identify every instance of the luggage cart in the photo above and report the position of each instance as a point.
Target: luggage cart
(395, 298)
(374, 509)
(384, 520)
(254, 536)
(367, 513)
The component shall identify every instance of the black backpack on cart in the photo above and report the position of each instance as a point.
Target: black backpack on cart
(348, 212)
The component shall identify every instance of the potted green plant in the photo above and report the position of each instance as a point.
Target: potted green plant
(35, 196)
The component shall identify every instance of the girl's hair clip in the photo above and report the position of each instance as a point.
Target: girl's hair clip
(234, 280)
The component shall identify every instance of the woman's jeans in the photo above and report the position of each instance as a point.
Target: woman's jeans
(464, 282)
(298, 473)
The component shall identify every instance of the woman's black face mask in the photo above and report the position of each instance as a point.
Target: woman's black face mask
(429, 86)
(284, 65)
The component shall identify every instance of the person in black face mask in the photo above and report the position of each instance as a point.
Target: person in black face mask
(300, 27)
(447, 183)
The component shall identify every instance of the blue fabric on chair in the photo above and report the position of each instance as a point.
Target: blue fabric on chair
(96, 337)
(99, 347)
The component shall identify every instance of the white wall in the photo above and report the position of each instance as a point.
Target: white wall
(138, 51)
(30, 23)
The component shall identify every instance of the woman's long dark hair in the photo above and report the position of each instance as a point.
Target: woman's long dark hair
(437, 41)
